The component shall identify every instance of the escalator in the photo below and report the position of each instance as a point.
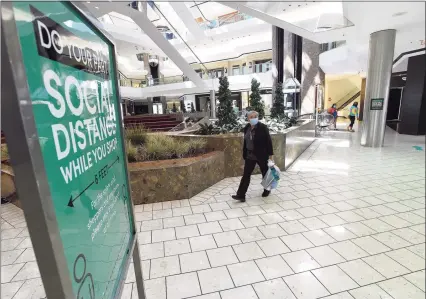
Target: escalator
(347, 99)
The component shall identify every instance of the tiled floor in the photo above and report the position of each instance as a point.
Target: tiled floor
(347, 222)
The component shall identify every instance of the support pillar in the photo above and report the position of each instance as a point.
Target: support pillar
(297, 60)
(277, 56)
(213, 103)
(362, 99)
(381, 51)
(150, 105)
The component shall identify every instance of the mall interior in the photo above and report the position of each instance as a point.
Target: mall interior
(347, 220)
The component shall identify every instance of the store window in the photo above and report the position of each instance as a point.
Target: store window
(262, 66)
(236, 70)
(173, 107)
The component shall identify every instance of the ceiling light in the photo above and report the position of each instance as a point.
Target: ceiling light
(88, 2)
(96, 7)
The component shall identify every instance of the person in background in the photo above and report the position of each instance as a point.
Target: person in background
(353, 114)
(257, 149)
(333, 111)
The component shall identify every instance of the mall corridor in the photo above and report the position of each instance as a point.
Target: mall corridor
(347, 222)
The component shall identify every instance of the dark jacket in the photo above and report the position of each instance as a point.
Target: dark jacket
(262, 142)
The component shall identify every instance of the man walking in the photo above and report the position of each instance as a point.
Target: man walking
(257, 149)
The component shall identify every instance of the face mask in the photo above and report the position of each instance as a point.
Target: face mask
(254, 121)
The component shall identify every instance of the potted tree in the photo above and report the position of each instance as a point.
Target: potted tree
(256, 102)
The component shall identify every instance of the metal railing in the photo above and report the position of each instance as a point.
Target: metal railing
(166, 80)
(245, 70)
(140, 83)
(348, 98)
(137, 83)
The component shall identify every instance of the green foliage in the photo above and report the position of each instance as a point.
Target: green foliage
(277, 110)
(208, 129)
(136, 135)
(192, 108)
(196, 146)
(293, 121)
(132, 152)
(214, 129)
(225, 111)
(163, 147)
(256, 100)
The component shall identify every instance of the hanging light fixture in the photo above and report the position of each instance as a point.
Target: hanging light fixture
(153, 60)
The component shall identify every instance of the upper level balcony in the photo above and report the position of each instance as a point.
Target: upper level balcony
(223, 20)
(148, 81)
(179, 85)
(332, 45)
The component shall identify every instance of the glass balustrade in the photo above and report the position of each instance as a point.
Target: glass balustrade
(224, 20)
(241, 71)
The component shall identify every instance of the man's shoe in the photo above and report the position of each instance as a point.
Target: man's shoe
(240, 198)
(266, 193)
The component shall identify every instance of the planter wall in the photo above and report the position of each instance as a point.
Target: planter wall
(297, 141)
(287, 146)
(167, 180)
(231, 145)
(8, 190)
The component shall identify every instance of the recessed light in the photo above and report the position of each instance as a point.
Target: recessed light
(96, 7)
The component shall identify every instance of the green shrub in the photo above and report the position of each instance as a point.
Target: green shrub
(196, 146)
(132, 152)
(208, 129)
(181, 149)
(157, 147)
(162, 147)
(136, 135)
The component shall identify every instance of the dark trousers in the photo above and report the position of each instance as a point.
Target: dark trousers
(352, 118)
(249, 166)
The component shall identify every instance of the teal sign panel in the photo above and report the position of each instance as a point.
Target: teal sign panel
(72, 82)
(377, 104)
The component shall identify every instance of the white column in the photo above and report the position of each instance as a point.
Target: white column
(213, 103)
(382, 44)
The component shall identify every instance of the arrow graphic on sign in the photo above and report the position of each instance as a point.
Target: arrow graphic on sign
(71, 201)
(115, 161)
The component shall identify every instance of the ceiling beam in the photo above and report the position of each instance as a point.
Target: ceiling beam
(154, 34)
(188, 19)
(244, 8)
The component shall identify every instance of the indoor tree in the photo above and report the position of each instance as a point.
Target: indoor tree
(277, 110)
(256, 102)
(225, 112)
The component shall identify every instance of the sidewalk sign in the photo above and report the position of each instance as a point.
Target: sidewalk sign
(62, 117)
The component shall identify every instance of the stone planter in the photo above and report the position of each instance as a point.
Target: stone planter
(287, 146)
(158, 181)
